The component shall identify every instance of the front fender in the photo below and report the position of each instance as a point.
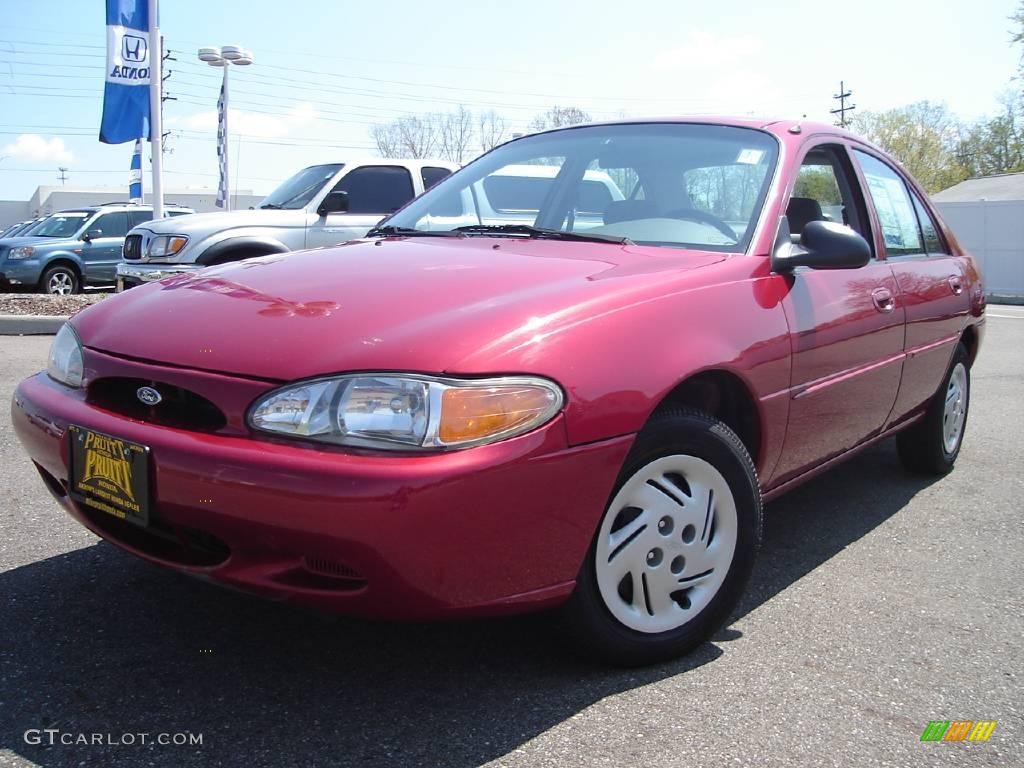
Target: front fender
(217, 246)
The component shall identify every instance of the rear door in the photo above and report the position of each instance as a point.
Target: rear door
(374, 191)
(932, 281)
(846, 324)
(103, 250)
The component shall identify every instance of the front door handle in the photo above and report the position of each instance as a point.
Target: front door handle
(883, 300)
(956, 285)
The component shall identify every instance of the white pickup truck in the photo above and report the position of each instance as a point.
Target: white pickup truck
(320, 205)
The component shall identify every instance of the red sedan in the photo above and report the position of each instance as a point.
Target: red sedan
(524, 390)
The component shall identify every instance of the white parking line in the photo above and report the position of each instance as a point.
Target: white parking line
(1005, 317)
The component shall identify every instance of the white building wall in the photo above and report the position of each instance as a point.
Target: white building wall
(993, 232)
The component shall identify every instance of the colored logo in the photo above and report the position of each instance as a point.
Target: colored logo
(148, 396)
(958, 730)
(107, 465)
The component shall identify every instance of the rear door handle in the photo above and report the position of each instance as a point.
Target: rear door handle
(883, 300)
(956, 284)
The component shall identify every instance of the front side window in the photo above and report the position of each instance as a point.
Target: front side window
(61, 224)
(895, 211)
(379, 189)
(112, 224)
(301, 188)
(667, 184)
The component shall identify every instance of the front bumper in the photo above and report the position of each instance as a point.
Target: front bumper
(130, 274)
(495, 529)
(20, 271)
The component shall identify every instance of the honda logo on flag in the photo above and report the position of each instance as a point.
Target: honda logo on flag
(134, 48)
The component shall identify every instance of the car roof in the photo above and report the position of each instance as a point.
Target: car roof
(778, 126)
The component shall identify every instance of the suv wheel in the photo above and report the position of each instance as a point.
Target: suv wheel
(60, 281)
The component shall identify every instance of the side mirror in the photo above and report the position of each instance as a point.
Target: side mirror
(823, 245)
(92, 234)
(335, 202)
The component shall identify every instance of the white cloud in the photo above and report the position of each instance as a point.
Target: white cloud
(256, 124)
(34, 148)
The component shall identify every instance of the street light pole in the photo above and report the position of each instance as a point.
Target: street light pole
(224, 57)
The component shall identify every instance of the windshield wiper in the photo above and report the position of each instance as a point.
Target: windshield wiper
(390, 230)
(275, 206)
(541, 233)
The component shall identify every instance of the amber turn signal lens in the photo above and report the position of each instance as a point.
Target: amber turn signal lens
(475, 413)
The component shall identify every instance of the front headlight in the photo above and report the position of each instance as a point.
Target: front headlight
(407, 412)
(65, 361)
(165, 245)
(23, 252)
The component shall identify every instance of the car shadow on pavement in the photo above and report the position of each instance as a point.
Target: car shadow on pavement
(98, 642)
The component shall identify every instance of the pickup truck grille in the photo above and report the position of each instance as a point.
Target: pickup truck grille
(132, 248)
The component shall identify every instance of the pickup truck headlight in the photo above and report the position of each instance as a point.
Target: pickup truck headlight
(165, 245)
(22, 252)
(65, 361)
(405, 412)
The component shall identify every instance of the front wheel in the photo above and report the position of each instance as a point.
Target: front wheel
(59, 281)
(675, 547)
(931, 446)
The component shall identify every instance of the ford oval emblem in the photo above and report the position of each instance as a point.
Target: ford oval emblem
(148, 395)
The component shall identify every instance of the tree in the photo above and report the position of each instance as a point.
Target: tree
(413, 136)
(995, 145)
(557, 116)
(491, 128)
(454, 134)
(1017, 37)
(924, 137)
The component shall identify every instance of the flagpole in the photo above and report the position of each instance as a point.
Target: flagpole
(227, 168)
(155, 108)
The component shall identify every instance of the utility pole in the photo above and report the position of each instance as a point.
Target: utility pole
(841, 97)
(165, 147)
(63, 175)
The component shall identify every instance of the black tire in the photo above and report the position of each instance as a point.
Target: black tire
(590, 621)
(60, 280)
(922, 447)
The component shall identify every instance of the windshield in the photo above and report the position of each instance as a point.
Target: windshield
(301, 188)
(60, 224)
(668, 184)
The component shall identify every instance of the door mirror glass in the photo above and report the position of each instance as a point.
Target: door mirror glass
(335, 202)
(92, 234)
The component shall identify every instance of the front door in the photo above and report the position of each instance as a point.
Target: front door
(847, 325)
(102, 251)
(374, 191)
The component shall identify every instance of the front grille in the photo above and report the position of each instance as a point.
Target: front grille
(132, 250)
(178, 407)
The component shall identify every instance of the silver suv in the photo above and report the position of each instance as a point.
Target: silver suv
(320, 205)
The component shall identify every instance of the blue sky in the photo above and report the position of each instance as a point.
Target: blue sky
(326, 71)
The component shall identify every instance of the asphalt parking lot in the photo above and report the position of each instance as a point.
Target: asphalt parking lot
(881, 601)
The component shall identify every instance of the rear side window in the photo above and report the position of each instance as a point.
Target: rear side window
(376, 189)
(431, 176)
(112, 224)
(895, 210)
(932, 242)
(139, 217)
(177, 213)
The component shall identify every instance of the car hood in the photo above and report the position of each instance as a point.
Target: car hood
(16, 242)
(217, 221)
(415, 304)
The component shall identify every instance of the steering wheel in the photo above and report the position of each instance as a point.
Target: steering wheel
(704, 218)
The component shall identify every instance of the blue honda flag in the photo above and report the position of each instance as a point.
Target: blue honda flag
(126, 93)
(135, 175)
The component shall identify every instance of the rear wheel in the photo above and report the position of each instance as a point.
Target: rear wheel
(676, 544)
(59, 280)
(931, 446)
